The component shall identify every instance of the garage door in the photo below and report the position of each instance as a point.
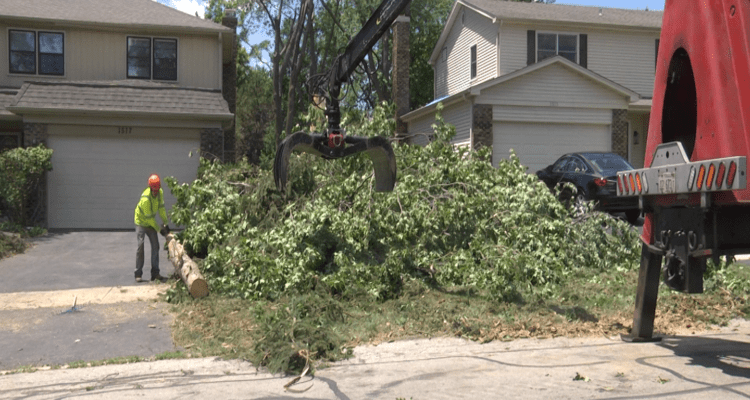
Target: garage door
(96, 182)
(539, 145)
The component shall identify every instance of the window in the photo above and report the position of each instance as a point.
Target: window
(149, 58)
(51, 53)
(473, 61)
(560, 165)
(444, 54)
(552, 44)
(29, 56)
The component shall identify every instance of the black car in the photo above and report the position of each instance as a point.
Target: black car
(594, 174)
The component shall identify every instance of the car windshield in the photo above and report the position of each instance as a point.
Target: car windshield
(608, 164)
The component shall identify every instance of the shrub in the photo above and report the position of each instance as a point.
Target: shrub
(21, 171)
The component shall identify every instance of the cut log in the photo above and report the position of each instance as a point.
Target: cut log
(186, 268)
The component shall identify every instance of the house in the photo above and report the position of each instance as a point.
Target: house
(119, 89)
(544, 79)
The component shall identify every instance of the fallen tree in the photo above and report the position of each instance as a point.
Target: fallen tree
(186, 268)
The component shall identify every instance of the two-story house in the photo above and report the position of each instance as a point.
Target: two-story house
(544, 79)
(119, 89)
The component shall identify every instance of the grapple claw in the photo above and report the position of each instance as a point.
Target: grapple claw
(378, 148)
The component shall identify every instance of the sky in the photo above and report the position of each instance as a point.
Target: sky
(197, 6)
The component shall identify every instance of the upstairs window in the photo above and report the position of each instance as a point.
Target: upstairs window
(473, 62)
(32, 52)
(152, 58)
(553, 44)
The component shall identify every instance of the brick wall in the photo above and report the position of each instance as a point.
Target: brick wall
(620, 132)
(212, 144)
(481, 126)
(229, 87)
(36, 211)
(400, 89)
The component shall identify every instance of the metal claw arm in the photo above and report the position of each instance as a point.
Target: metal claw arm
(377, 148)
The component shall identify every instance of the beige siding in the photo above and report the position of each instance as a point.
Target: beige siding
(625, 57)
(458, 115)
(454, 75)
(513, 47)
(421, 129)
(102, 55)
(552, 114)
(556, 86)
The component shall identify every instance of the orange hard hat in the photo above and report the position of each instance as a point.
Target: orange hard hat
(154, 182)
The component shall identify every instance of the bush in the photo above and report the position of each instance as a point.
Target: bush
(452, 220)
(21, 171)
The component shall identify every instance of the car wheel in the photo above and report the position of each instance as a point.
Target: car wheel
(632, 216)
(580, 205)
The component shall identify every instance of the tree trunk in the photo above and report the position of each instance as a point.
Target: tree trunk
(186, 268)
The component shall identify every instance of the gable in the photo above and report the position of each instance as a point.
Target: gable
(554, 84)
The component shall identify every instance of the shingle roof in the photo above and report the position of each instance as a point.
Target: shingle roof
(121, 97)
(567, 13)
(6, 97)
(105, 12)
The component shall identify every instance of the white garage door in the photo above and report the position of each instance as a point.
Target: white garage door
(539, 145)
(97, 182)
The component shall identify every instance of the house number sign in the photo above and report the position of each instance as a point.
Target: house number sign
(124, 130)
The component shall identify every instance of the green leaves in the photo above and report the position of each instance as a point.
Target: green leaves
(21, 171)
(453, 220)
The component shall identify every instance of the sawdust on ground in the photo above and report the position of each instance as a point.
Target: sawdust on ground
(69, 298)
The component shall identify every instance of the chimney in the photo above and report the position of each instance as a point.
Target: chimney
(401, 28)
(229, 85)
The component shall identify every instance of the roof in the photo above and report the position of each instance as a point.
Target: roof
(6, 97)
(119, 97)
(133, 13)
(510, 10)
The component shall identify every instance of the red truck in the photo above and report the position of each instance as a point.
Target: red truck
(694, 192)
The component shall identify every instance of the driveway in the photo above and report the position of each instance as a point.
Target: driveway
(114, 316)
(75, 260)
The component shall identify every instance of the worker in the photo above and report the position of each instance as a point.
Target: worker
(151, 203)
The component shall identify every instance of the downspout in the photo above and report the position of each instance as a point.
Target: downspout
(220, 82)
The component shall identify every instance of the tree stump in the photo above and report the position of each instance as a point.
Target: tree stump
(186, 268)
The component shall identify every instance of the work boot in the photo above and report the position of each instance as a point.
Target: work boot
(159, 278)
(138, 279)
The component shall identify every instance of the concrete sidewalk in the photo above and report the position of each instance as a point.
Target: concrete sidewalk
(715, 365)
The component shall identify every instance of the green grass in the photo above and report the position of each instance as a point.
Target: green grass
(282, 335)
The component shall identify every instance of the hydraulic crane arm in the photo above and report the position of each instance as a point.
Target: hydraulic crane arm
(334, 143)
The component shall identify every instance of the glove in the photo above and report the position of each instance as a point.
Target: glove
(164, 230)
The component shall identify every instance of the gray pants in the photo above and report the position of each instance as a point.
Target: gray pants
(154, 239)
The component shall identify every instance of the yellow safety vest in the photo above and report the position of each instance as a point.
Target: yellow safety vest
(148, 206)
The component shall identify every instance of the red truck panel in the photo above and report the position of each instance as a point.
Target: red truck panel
(714, 36)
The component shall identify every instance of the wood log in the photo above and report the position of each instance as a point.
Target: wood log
(186, 268)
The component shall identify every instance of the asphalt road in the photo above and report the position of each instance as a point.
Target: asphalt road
(37, 327)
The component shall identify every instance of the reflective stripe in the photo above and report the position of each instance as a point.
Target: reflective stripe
(150, 207)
